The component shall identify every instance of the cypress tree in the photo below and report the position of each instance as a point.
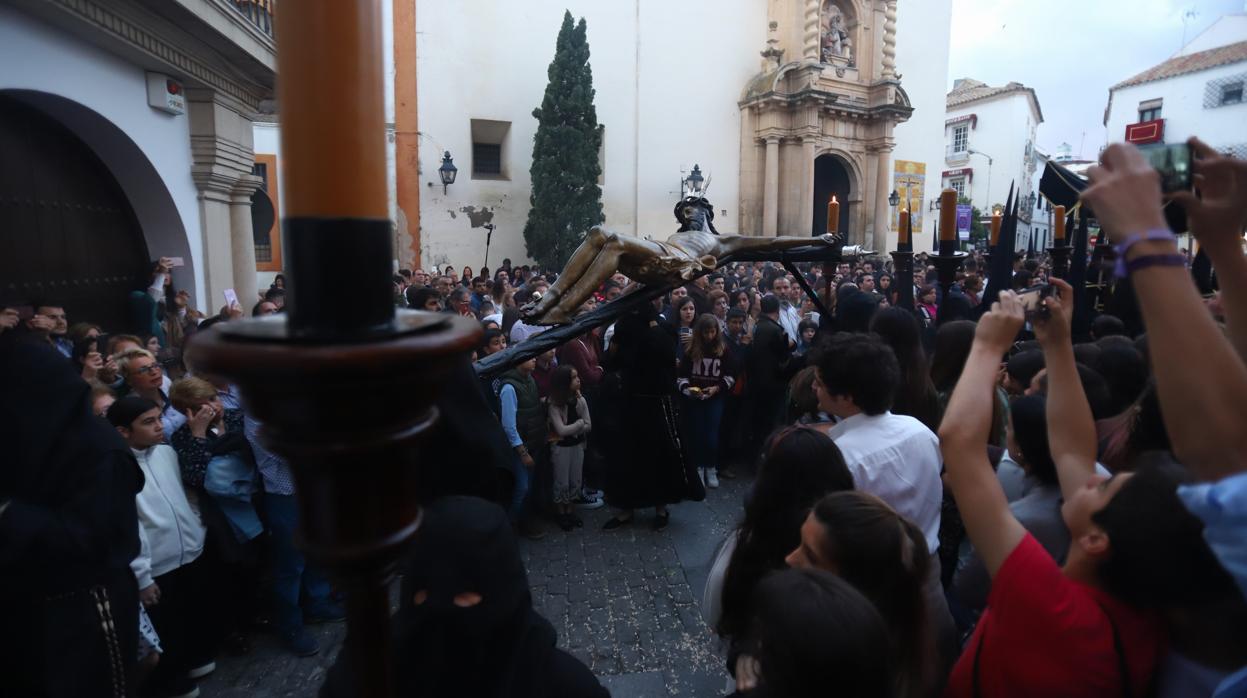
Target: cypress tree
(566, 200)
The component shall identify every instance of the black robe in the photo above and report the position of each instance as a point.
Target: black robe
(68, 600)
(499, 647)
(647, 464)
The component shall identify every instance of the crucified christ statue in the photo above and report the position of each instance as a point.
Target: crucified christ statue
(694, 248)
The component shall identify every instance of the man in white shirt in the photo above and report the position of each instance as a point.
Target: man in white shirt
(894, 457)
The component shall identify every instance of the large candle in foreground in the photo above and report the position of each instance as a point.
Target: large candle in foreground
(902, 229)
(1058, 230)
(833, 215)
(995, 228)
(948, 215)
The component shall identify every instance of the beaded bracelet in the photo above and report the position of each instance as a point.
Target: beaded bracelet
(1133, 239)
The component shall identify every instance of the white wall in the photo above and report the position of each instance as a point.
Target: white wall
(1229, 29)
(922, 50)
(1004, 127)
(148, 151)
(1183, 109)
(667, 76)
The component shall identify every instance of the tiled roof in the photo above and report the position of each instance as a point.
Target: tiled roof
(966, 90)
(1181, 65)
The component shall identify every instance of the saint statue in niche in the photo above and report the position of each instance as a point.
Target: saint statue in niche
(836, 40)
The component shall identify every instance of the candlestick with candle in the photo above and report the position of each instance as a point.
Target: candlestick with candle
(1058, 228)
(833, 215)
(902, 229)
(995, 236)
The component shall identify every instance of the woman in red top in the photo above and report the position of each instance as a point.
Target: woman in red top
(1091, 627)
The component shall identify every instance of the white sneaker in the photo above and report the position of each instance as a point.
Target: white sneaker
(712, 478)
(201, 671)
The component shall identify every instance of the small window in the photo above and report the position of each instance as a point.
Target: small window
(1149, 114)
(1232, 93)
(958, 184)
(961, 139)
(486, 159)
(489, 149)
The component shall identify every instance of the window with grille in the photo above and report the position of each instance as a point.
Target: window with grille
(961, 139)
(489, 149)
(1149, 114)
(1225, 91)
(958, 184)
(263, 238)
(1232, 94)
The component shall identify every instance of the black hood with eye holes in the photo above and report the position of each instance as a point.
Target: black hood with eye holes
(499, 647)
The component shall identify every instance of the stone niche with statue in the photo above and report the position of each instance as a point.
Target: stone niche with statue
(817, 120)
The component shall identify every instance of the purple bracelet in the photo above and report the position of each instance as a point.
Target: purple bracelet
(1131, 240)
(1155, 260)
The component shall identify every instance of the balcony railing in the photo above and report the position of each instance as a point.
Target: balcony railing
(953, 154)
(1146, 132)
(258, 12)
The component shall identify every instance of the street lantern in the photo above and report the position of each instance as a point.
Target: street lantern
(695, 183)
(894, 199)
(447, 171)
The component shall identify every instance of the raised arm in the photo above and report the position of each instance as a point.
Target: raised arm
(743, 243)
(1200, 379)
(964, 433)
(1071, 428)
(1217, 217)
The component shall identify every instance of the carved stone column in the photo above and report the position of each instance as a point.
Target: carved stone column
(808, 151)
(879, 240)
(812, 35)
(242, 240)
(770, 189)
(889, 41)
(222, 157)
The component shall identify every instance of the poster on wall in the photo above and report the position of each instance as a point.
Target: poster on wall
(964, 213)
(908, 181)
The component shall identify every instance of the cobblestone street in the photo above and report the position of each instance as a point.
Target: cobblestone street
(626, 602)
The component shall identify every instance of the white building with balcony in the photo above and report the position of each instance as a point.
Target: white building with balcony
(126, 135)
(989, 143)
(1197, 92)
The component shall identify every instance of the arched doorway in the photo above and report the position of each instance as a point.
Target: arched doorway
(831, 177)
(68, 233)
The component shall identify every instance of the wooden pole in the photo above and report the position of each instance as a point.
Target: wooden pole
(343, 384)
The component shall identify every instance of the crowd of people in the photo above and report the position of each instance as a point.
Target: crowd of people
(964, 498)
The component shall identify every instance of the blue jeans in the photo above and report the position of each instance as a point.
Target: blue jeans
(519, 493)
(291, 573)
(704, 417)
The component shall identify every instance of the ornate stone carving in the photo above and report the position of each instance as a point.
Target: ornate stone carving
(836, 44)
(812, 34)
(889, 40)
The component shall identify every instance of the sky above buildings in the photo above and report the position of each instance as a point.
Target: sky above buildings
(1071, 52)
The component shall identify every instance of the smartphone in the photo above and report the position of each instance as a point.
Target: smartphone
(1033, 301)
(177, 262)
(231, 298)
(1173, 162)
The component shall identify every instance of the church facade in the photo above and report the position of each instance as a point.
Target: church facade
(781, 103)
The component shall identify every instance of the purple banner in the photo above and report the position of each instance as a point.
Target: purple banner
(964, 214)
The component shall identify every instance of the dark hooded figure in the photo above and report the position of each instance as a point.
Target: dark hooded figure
(465, 624)
(68, 531)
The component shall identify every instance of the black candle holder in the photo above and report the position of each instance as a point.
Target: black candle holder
(947, 262)
(1060, 260)
(903, 277)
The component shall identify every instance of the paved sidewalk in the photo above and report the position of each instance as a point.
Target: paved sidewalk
(626, 602)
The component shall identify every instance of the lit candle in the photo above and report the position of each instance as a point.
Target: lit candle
(903, 228)
(948, 215)
(995, 228)
(833, 215)
(1058, 231)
